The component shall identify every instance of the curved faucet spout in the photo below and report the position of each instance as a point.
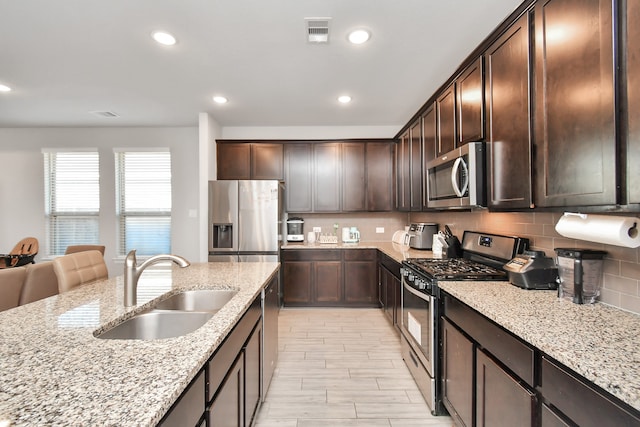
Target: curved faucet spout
(132, 273)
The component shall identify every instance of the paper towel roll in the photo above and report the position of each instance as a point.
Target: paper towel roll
(610, 230)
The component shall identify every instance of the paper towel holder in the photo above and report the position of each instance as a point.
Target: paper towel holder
(629, 237)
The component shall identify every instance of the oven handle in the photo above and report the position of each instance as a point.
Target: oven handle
(420, 295)
(454, 177)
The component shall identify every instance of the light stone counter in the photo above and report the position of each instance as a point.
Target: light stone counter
(599, 342)
(394, 250)
(53, 371)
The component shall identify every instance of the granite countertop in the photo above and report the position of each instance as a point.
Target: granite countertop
(55, 372)
(597, 341)
(394, 250)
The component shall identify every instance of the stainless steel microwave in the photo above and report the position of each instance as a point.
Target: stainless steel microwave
(456, 180)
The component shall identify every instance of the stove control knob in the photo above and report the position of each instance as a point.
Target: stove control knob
(404, 272)
(420, 283)
(411, 277)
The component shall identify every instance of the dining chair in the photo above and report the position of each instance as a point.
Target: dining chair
(79, 268)
(11, 280)
(40, 282)
(71, 249)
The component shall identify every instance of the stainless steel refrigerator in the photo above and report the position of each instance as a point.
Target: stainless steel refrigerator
(245, 220)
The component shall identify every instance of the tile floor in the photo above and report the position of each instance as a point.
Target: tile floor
(342, 367)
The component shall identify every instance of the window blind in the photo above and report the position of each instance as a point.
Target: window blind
(143, 191)
(72, 199)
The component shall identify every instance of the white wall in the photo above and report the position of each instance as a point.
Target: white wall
(22, 182)
(310, 132)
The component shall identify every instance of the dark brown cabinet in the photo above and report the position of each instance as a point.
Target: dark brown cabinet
(360, 272)
(575, 138)
(329, 277)
(252, 374)
(470, 102)
(354, 170)
(415, 166)
(389, 292)
(507, 105)
(429, 144)
(457, 374)
(403, 172)
(244, 160)
(298, 177)
(227, 409)
(189, 408)
(500, 399)
(633, 99)
(446, 117)
(379, 176)
(326, 177)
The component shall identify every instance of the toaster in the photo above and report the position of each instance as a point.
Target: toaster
(421, 235)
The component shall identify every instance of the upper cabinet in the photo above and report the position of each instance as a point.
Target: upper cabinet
(633, 99)
(326, 177)
(507, 105)
(470, 102)
(429, 144)
(403, 172)
(575, 135)
(415, 166)
(446, 117)
(247, 160)
(379, 173)
(297, 177)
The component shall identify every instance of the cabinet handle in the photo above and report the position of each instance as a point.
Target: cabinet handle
(413, 359)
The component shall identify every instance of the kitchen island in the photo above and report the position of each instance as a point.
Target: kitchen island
(54, 371)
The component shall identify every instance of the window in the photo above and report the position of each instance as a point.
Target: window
(72, 199)
(143, 191)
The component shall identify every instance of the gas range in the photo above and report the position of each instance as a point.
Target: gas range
(455, 269)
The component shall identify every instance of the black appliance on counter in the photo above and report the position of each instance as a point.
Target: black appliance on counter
(532, 270)
(483, 258)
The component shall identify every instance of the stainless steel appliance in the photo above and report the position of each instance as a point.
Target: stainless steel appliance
(456, 180)
(580, 272)
(532, 270)
(482, 259)
(295, 229)
(421, 235)
(245, 220)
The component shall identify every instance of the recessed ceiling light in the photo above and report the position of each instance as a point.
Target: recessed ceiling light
(359, 36)
(345, 99)
(220, 99)
(4, 88)
(164, 38)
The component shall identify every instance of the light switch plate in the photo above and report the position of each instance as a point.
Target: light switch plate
(193, 213)
(379, 230)
(317, 229)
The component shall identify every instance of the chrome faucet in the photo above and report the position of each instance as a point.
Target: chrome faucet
(132, 273)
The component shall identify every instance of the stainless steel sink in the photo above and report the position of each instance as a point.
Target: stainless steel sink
(210, 300)
(157, 324)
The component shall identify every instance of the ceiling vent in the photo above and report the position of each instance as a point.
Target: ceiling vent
(317, 30)
(105, 114)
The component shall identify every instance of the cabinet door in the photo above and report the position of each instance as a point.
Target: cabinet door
(446, 116)
(328, 282)
(429, 144)
(500, 399)
(415, 169)
(190, 406)
(360, 273)
(508, 136)
(298, 171)
(403, 173)
(353, 174)
(227, 409)
(233, 160)
(574, 120)
(326, 177)
(267, 161)
(379, 172)
(633, 99)
(297, 277)
(252, 373)
(470, 92)
(457, 374)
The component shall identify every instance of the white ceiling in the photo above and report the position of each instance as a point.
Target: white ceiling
(65, 58)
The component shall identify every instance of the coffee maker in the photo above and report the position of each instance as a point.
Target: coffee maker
(295, 229)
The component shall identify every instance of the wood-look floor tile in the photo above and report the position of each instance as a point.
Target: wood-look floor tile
(361, 363)
(340, 384)
(392, 410)
(367, 396)
(315, 410)
(344, 423)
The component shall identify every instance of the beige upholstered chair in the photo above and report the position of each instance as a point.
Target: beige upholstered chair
(72, 249)
(41, 282)
(76, 269)
(11, 280)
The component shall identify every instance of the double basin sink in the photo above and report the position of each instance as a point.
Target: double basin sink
(175, 316)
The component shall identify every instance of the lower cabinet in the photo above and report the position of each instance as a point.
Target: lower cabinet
(330, 277)
(227, 409)
(457, 374)
(188, 409)
(390, 288)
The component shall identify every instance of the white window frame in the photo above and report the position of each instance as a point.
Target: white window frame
(72, 198)
(161, 215)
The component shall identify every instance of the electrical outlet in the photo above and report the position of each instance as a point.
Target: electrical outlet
(317, 229)
(379, 230)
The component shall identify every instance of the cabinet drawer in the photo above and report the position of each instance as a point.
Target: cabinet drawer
(585, 405)
(312, 255)
(190, 407)
(360, 254)
(512, 352)
(222, 361)
(390, 264)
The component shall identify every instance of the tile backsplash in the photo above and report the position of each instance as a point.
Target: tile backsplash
(621, 284)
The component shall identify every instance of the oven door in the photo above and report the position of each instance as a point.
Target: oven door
(418, 324)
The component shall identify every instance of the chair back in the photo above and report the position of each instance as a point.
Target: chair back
(79, 268)
(11, 280)
(41, 282)
(72, 249)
